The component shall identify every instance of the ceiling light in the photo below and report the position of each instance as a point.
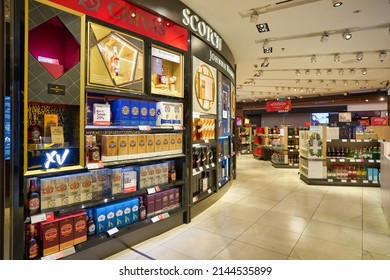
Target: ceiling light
(298, 82)
(382, 99)
(337, 3)
(254, 17)
(265, 63)
(318, 72)
(321, 82)
(359, 56)
(307, 72)
(266, 47)
(313, 59)
(364, 71)
(341, 72)
(345, 83)
(357, 83)
(347, 35)
(262, 27)
(297, 73)
(309, 82)
(337, 57)
(382, 56)
(352, 72)
(324, 37)
(329, 72)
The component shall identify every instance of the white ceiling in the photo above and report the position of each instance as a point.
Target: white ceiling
(296, 27)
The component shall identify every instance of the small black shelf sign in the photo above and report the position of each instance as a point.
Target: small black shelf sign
(56, 89)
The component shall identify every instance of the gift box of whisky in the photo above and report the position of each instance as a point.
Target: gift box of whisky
(110, 215)
(172, 142)
(157, 173)
(134, 209)
(121, 112)
(149, 203)
(135, 112)
(143, 114)
(141, 140)
(179, 141)
(62, 184)
(86, 186)
(66, 231)
(48, 193)
(74, 190)
(165, 201)
(158, 142)
(103, 183)
(142, 174)
(89, 109)
(50, 237)
(119, 216)
(152, 113)
(116, 181)
(177, 114)
(163, 114)
(101, 114)
(132, 146)
(123, 150)
(80, 227)
(177, 197)
(158, 202)
(94, 185)
(164, 172)
(151, 179)
(100, 215)
(150, 143)
(129, 180)
(127, 215)
(165, 143)
(109, 151)
(171, 198)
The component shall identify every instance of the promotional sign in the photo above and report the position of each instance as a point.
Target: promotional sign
(378, 121)
(278, 106)
(130, 17)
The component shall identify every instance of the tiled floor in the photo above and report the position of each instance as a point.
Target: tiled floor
(271, 214)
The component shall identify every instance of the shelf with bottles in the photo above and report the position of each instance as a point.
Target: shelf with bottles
(282, 160)
(203, 158)
(203, 185)
(203, 128)
(350, 151)
(353, 174)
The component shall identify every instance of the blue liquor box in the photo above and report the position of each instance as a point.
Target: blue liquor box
(100, 214)
(134, 112)
(119, 214)
(152, 113)
(143, 113)
(127, 215)
(135, 208)
(121, 112)
(110, 214)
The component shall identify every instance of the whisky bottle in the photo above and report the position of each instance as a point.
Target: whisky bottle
(172, 173)
(33, 198)
(32, 244)
(91, 227)
(94, 151)
(34, 131)
(142, 209)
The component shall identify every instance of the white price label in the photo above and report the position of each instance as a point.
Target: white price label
(151, 190)
(358, 140)
(375, 182)
(195, 199)
(112, 231)
(353, 181)
(342, 160)
(38, 218)
(332, 160)
(365, 181)
(330, 180)
(371, 160)
(344, 140)
(366, 140)
(209, 191)
(178, 127)
(378, 161)
(353, 140)
(144, 127)
(207, 141)
(343, 181)
(95, 165)
(352, 160)
(155, 219)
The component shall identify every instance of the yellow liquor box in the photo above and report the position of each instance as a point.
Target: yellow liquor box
(132, 145)
(158, 141)
(74, 189)
(150, 143)
(49, 120)
(86, 186)
(48, 193)
(109, 151)
(123, 147)
(179, 142)
(165, 143)
(172, 141)
(141, 139)
(116, 181)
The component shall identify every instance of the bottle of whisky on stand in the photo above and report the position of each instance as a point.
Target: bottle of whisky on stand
(94, 151)
(172, 173)
(32, 243)
(34, 131)
(33, 198)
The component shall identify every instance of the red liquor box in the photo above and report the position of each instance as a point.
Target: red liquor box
(150, 209)
(66, 232)
(80, 227)
(165, 201)
(171, 198)
(177, 197)
(50, 238)
(62, 184)
(158, 203)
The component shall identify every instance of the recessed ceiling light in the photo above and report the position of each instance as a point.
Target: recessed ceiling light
(313, 59)
(318, 72)
(347, 35)
(297, 73)
(359, 56)
(352, 72)
(364, 71)
(337, 57)
(324, 37)
(341, 72)
(345, 83)
(307, 72)
(337, 3)
(329, 72)
(262, 27)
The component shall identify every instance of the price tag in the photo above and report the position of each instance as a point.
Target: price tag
(195, 199)
(95, 165)
(358, 140)
(366, 140)
(69, 251)
(330, 180)
(207, 141)
(343, 181)
(157, 188)
(38, 218)
(380, 140)
(155, 219)
(178, 127)
(342, 160)
(353, 181)
(378, 161)
(375, 182)
(353, 140)
(344, 140)
(163, 216)
(209, 191)
(50, 216)
(59, 255)
(371, 160)
(112, 231)
(332, 160)
(151, 190)
(328, 140)
(352, 160)
(144, 127)
(365, 181)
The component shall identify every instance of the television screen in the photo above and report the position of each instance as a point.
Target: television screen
(319, 118)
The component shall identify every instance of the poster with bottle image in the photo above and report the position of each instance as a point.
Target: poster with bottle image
(204, 87)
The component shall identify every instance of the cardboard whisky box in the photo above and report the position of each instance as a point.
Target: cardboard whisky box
(50, 237)
(141, 140)
(66, 232)
(158, 170)
(158, 202)
(111, 221)
(109, 151)
(151, 176)
(127, 215)
(129, 180)
(120, 109)
(102, 182)
(94, 186)
(132, 146)
(48, 193)
(62, 185)
(177, 114)
(80, 227)
(143, 114)
(116, 181)
(74, 190)
(172, 142)
(135, 208)
(100, 215)
(149, 202)
(49, 120)
(165, 143)
(164, 172)
(165, 201)
(152, 113)
(179, 142)
(158, 143)
(142, 172)
(150, 143)
(119, 216)
(134, 118)
(86, 186)
(171, 198)
(123, 150)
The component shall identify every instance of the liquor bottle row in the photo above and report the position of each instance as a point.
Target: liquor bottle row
(122, 147)
(353, 172)
(49, 237)
(357, 153)
(293, 143)
(203, 181)
(202, 156)
(60, 191)
(279, 158)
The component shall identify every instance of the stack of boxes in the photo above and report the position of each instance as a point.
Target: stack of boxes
(161, 202)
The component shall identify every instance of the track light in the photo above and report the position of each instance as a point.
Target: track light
(318, 72)
(341, 72)
(265, 63)
(266, 47)
(298, 82)
(364, 71)
(359, 56)
(347, 35)
(324, 37)
(329, 72)
(336, 57)
(382, 56)
(297, 72)
(337, 3)
(313, 59)
(345, 83)
(352, 72)
(254, 17)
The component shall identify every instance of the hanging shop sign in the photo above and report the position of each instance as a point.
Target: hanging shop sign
(378, 121)
(131, 17)
(278, 106)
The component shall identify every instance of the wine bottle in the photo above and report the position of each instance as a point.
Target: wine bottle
(32, 244)
(142, 209)
(33, 198)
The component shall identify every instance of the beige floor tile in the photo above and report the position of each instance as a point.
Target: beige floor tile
(224, 225)
(162, 238)
(339, 217)
(164, 253)
(303, 199)
(294, 209)
(274, 239)
(374, 256)
(246, 213)
(342, 205)
(334, 233)
(375, 222)
(282, 221)
(376, 243)
(242, 251)
(257, 202)
(188, 243)
(233, 197)
(271, 194)
(309, 248)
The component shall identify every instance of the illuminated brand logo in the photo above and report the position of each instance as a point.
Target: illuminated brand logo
(90, 5)
(56, 158)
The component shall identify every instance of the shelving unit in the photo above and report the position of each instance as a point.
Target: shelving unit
(246, 139)
(262, 143)
(286, 154)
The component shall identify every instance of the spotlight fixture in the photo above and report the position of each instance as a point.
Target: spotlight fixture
(313, 59)
(318, 72)
(254, 17)
(336, 57)
(307, 72)
(357, 83)
(341, 72)
(382, 56)
(324, 37)
(265, 63)
(347, 35)
(297, 72)
(266, 47)
(364, 71)
(352, 72)
(329, 72)
(262, 27)
(337, 3)
(345, 83)
(359, 56)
